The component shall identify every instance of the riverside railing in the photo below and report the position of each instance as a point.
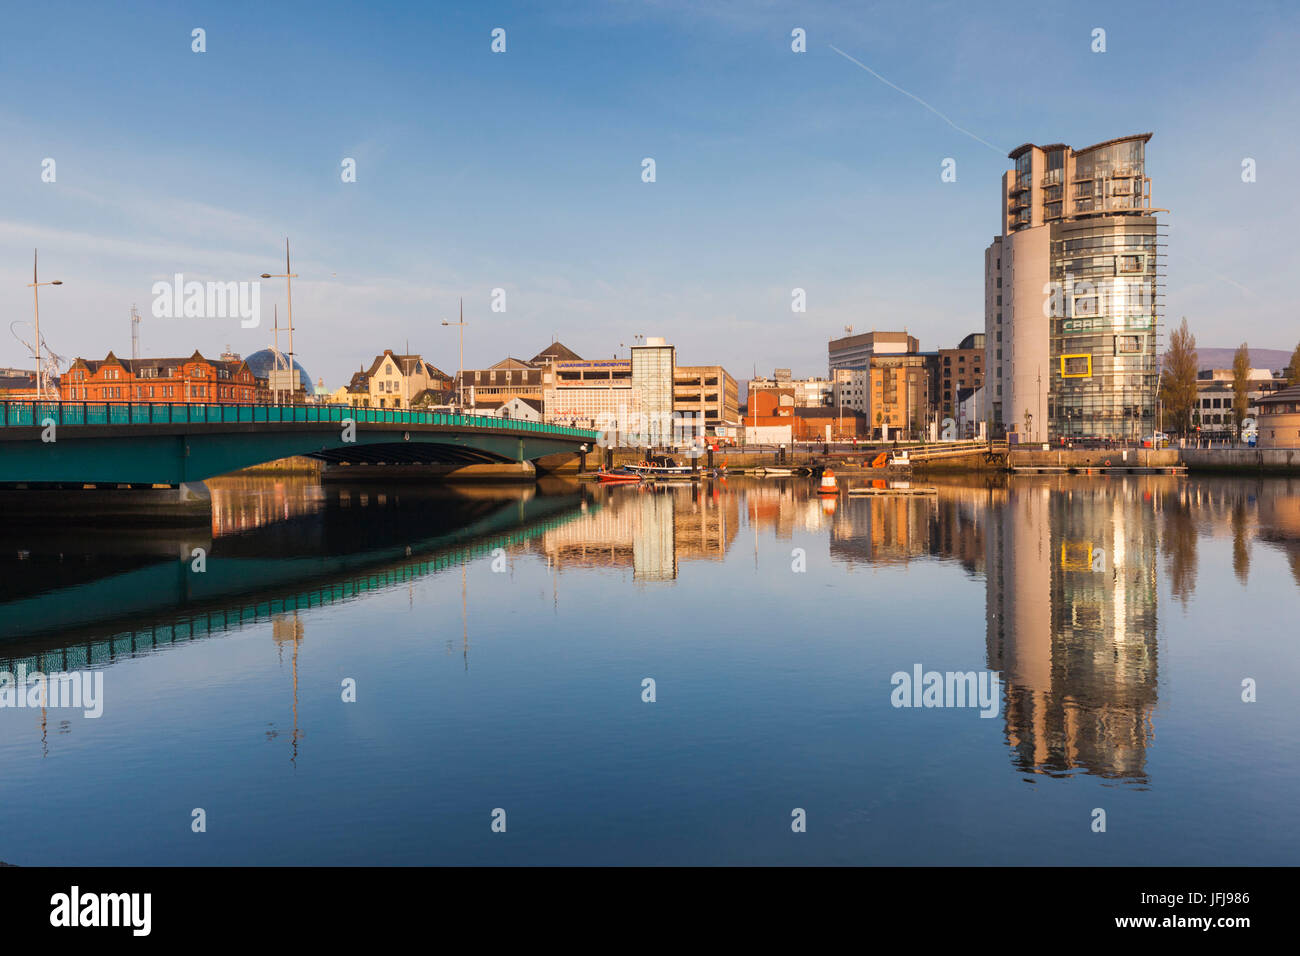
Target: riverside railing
(159, 413)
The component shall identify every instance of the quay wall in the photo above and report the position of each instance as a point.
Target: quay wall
(1277, 461)
(1093, 458)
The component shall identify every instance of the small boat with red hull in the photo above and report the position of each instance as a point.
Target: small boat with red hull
(618, 476)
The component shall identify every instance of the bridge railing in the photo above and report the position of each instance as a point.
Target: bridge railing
(154, 413)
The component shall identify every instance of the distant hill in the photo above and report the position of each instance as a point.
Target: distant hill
(1273, 359)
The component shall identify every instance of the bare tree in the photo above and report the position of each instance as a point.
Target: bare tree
(1178, 379)
(1240, 385)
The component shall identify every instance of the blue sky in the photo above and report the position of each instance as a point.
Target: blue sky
(522, 170)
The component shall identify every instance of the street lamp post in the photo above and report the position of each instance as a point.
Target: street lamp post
(288, 276)
(839, 418)
(35, 286)
(460, 365)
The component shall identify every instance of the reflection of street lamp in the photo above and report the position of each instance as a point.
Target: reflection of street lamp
(460, 371)
(35, 286)
(288, 276)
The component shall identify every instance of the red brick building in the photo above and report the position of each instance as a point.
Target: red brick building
(811, 424)
(770, 406)
(176, 381)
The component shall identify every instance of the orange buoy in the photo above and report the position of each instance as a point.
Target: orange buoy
(828, 485)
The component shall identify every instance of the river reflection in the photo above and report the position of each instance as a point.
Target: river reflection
(1083, 589)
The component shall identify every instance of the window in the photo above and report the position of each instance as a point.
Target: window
(1076, 366)
(1085, 304)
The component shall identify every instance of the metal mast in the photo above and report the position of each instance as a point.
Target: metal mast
(135, 333)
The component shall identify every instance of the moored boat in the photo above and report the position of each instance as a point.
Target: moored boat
(660, 467)
(617, 476)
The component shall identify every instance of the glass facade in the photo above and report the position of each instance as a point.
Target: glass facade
(652, 379)
(1103, 324)
(1117, 159)
(1086, 228)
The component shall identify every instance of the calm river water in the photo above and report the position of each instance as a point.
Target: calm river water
(500, 643)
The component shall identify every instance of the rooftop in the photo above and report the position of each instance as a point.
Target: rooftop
(1026, 147)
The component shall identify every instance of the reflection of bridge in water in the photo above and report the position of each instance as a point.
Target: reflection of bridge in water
(1071, 569)
(356, 543)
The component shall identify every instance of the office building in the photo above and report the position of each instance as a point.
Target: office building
(856, 351)
(1214, 416)
(812, 392)
(889, 384)
(707, 394)
(955, 370)
(593, 393)
(1071, 294)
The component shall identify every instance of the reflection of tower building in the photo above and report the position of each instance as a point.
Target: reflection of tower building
(1071, 575)
(654, 550)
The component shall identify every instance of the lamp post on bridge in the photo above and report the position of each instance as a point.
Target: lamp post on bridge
(460, 364)
(288, 276)
(35, 286)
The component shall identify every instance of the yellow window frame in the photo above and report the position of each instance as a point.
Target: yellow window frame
(1087, 374)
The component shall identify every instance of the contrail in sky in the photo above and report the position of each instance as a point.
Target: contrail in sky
(917, 98)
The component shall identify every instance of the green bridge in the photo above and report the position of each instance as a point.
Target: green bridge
(72, 443)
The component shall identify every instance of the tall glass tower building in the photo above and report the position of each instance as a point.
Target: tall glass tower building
(652, 382)
(1071, 295)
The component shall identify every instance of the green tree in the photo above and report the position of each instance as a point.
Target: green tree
(1240, 385)
(1293, 373)
(1178, 380)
